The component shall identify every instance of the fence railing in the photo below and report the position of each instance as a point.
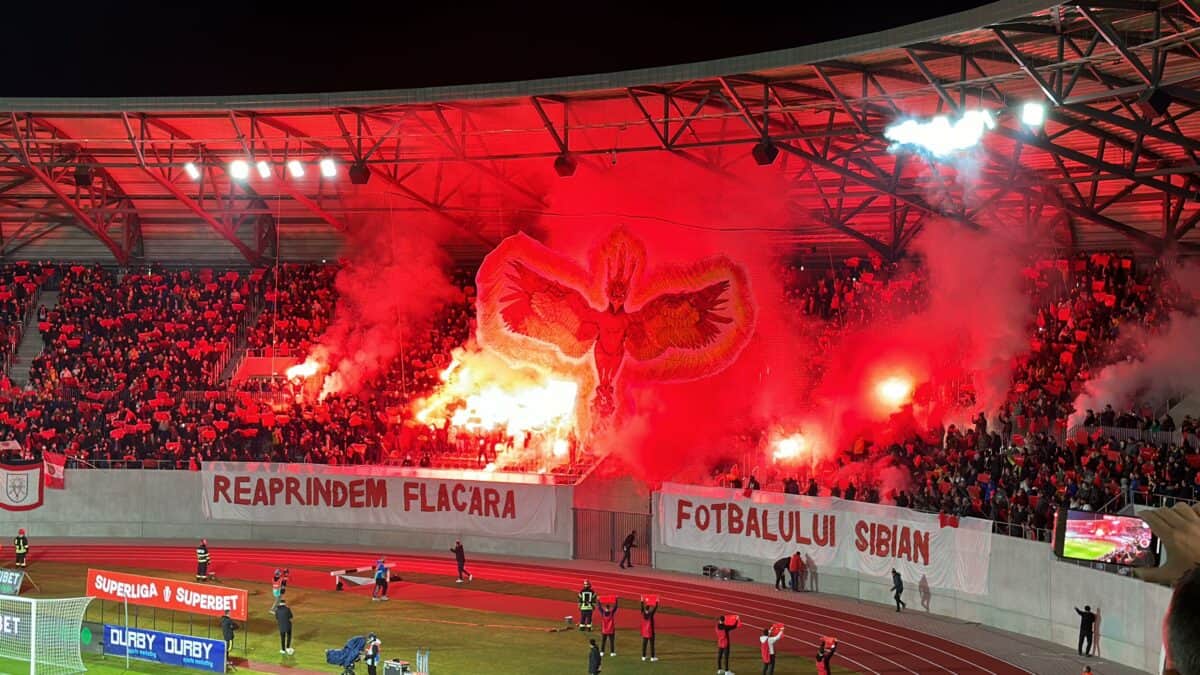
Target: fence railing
(599, 535)
(1127, 434)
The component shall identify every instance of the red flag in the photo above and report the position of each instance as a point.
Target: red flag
(947, 520)
(55, 470)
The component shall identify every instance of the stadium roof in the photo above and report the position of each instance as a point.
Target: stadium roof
(1115, 163)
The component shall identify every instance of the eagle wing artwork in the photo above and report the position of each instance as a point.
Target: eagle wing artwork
(676, 324)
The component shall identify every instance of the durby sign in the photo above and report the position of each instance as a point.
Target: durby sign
(182, 596)
(867, 538)
(306, 493)
(170, 649)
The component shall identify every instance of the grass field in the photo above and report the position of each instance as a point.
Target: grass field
(462, 641)
(1087, 549)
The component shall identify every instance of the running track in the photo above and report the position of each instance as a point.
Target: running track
(867, 645)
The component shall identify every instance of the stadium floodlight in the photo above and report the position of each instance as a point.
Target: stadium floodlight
(43, 634)
(192, 170)
(939, 136)
(264, 169)
(1033, 114)
(296, 168)
(328, 167)
(239, 169)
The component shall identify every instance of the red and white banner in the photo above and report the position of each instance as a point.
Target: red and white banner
(55, 470)
(182, 596)
(20, 486)
(870, 539)
(374, 495)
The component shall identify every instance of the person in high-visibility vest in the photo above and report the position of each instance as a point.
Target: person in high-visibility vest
(21, 544)
(202, 560)
(587, 604)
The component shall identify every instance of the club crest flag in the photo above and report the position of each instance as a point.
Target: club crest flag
(20, 486)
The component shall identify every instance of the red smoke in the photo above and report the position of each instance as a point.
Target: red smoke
(972, 327)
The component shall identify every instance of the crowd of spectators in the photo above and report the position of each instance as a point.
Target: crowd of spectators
(129, 375)
(131, 372)
(299, 302)
(1028, 463)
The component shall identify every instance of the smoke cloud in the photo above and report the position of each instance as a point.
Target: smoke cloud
(1161, 363)
(393, 279)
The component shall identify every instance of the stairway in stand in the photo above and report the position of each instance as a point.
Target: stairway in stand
(31, 344)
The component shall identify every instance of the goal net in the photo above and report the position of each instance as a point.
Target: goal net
(41, 636)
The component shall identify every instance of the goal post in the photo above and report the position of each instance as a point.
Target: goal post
(41, 633)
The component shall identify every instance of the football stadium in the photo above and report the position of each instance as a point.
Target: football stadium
(873, 354)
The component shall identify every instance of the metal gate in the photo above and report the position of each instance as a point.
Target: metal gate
(598, 535)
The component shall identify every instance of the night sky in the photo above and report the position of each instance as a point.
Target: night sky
(108, 48)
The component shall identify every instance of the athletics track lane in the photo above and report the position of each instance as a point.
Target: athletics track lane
(867, 645)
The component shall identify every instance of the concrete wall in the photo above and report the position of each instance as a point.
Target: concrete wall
(1030, 592)
(168, 505)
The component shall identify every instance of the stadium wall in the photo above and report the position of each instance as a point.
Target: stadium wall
(169, 505)
(1030, 592)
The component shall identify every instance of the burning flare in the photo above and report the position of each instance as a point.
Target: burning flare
(481, 393)
(788, 448)
(894, 391)
(303, 371)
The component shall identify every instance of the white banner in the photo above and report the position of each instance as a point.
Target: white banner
(374, 495)
(867, 538)
(20, 486)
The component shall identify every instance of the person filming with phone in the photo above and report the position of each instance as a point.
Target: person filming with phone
(1178, 528)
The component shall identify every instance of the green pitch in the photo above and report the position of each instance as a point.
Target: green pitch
(1087, 549)
(462, 641)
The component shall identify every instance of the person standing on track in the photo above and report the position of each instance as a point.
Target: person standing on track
(594, 657)
(898, 589)
(648, 612)
(766, 643)
(1087, 627)
(608, 627)
(587, 603)
(283, 619)
(627, 547)
(21, 546)
(781, 567)
(460, 557)
(227, 629)
(794, 568)
(202, 561)
(381, 581)
(725, 625)
(824, 656)
(371, 653)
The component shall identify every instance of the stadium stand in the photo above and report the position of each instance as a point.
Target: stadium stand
(130, 377)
